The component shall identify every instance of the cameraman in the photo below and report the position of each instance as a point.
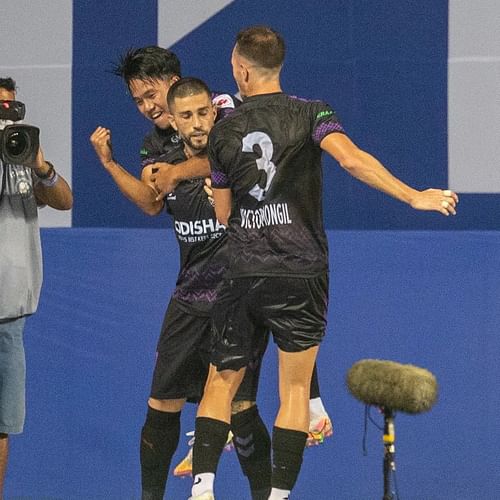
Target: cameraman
(22, 189)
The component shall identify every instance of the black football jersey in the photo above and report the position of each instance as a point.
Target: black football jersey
(201, 239)
(158, 142)
(267, 152)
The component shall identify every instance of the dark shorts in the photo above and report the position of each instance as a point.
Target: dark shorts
(183, 356)
(293, 309)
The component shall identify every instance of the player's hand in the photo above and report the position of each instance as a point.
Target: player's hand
(101, 141)
(439, 200)
(208, 189)
(165, 178)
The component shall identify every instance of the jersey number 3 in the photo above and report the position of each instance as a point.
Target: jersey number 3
(263, 163)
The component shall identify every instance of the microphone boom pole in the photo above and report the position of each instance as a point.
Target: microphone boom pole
(389, 452)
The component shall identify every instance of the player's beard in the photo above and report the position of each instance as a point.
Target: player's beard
(196, 148)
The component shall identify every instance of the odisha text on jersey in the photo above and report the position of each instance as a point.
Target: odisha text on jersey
(198, 227)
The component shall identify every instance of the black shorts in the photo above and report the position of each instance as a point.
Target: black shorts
(183, 356)
(293, 309)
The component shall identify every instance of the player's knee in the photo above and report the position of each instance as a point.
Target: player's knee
(224, 382)
(218, 388)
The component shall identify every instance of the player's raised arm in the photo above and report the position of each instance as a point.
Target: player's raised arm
(139, 192)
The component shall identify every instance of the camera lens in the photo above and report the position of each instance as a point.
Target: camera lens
(17, 142)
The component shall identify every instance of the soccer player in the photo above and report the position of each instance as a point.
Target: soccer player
(176, 153)
(266, 177)
(149, 73)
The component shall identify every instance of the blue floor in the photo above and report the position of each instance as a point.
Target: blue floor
(427, 298)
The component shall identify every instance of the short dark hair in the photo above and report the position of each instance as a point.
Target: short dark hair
(8, 84)
(186, 87)
(147, 63)
(261, 45)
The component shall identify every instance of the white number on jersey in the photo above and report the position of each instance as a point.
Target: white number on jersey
(263, 163)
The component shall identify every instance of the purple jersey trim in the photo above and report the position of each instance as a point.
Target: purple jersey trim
(303, 99)
(325, 128)
(192, 296)
(219, 179)
(148, 161)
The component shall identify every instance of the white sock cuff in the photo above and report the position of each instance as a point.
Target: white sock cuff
(202, 482)
(316, 407)
(277, 494)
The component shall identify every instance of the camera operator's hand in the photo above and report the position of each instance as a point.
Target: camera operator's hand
(51, 188)
(39, 165)
(101, 141)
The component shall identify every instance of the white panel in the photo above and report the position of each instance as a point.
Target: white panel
(474, 28)
(38, 56)
(35, 32)
(474, 96)
(473, 127)
(177, 18)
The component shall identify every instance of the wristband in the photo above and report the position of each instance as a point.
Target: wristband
(51, 181)
(50, 178)
(49, 174)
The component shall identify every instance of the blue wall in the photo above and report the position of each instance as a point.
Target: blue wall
(429, 298)
(102, 31)
(382, 65)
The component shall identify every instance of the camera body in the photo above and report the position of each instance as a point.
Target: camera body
(19, 143)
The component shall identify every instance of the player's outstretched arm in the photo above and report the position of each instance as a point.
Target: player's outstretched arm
(369, 170)
(139, 192)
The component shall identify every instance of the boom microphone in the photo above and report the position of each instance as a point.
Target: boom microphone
(392, 385)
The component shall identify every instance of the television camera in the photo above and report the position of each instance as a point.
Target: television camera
(19, 143)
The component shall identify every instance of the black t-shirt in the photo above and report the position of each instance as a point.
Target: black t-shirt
(201, 239)
(267, 151)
